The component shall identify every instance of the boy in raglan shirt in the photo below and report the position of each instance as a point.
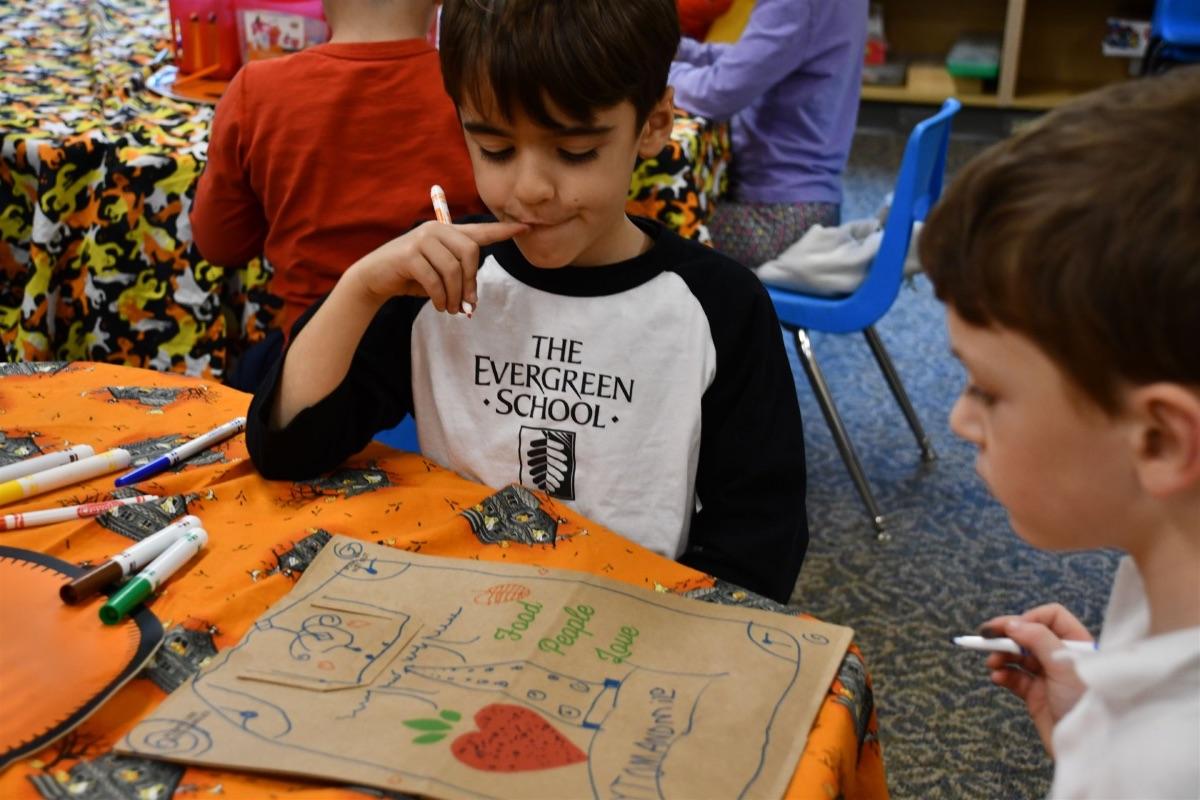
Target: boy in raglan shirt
(639, 377)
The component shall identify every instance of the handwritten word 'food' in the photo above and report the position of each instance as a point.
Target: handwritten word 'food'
(525, 618)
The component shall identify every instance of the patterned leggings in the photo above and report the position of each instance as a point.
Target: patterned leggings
(754, 233)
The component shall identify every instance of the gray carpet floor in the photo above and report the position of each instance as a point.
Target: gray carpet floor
(952, 561)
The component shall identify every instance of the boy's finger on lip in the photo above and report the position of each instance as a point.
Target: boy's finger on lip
(489, 232)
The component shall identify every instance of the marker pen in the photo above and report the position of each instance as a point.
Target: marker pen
(154, 575)
(183, 451)
(57, 477)
(126, 562)
(28, 466)
(441, 210)
(49, 516)
(1004, 645)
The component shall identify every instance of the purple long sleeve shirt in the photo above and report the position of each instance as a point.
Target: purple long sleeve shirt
(790, 85)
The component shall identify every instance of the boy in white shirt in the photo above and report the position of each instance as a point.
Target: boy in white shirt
(1069, 260)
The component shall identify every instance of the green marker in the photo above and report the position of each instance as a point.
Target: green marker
(156, 573)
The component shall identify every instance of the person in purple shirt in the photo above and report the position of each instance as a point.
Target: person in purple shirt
(790, 85)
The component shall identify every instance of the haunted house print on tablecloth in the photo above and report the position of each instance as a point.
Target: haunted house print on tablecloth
(16, 446)
(513, 514)
(347, 482)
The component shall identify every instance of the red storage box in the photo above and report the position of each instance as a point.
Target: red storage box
(204, 36)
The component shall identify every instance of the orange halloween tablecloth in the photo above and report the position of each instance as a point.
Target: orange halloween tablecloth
(98, 173)
(264, 533)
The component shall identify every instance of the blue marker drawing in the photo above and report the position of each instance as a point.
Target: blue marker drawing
(376, 639)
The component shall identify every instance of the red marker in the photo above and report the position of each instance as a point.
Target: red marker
(30, 519)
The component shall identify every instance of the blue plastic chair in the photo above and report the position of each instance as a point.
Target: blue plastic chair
(401, 437)
(918, 187)
(1174, 35)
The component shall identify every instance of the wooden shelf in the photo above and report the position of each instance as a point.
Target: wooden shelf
(1043, 99)
(904, 94)
(1050, 52)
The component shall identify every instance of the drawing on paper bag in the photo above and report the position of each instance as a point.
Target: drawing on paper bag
(384, 668)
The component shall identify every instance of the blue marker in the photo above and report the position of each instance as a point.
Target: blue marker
(184, 451)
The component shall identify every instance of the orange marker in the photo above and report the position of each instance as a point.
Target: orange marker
(441, 210)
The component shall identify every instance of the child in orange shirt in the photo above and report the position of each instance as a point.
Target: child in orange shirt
(318, 158)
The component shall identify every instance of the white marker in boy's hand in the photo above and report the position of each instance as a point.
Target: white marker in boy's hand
(441, 210)
(1001, 644)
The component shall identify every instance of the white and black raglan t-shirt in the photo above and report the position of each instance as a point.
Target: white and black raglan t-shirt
(654, 396)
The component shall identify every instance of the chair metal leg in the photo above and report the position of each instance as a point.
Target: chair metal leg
(893, 380)
(825, 400)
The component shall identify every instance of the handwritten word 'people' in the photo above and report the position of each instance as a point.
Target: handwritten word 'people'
(572, 629)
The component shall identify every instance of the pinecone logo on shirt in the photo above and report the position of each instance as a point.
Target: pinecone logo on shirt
(548, 461)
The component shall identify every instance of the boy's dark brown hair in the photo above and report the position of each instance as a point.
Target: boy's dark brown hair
(585, 55)
(1082, 232)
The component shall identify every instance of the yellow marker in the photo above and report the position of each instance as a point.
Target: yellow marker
(65, 475)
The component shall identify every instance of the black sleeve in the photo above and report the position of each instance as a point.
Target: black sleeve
(751, 528)
(375, 395)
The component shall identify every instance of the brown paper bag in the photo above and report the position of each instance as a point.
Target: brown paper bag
(465, 679)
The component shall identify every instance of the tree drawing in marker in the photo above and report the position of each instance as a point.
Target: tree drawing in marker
(563, 697)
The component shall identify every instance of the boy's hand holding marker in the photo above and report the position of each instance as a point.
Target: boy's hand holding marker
(437, 260)
(441, 210)
(433, 260)
(1041, 677)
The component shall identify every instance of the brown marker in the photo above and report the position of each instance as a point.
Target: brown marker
(126, 562)
(91, 582)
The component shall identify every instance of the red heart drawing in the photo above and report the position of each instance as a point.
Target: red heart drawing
(514, 739)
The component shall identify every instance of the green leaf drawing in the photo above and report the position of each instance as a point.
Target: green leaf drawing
(453, 716)
(429, 738)
(427, 724)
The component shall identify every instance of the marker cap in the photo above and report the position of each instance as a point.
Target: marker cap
(125, 600)
(90, 582)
